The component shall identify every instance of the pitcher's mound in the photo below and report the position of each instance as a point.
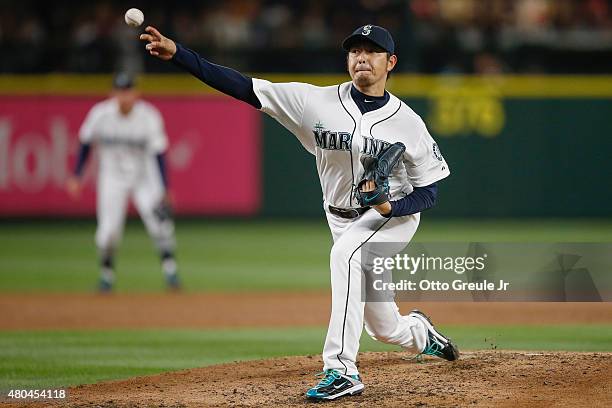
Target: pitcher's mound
(478, 379)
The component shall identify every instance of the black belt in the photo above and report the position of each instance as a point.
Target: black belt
(348, 213)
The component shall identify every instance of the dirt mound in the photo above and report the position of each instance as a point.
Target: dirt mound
(478, 379)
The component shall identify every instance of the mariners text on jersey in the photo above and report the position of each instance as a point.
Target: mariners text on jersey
(329, 140)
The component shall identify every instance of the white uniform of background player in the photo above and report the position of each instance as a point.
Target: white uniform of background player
(129, 145)
(331, 124)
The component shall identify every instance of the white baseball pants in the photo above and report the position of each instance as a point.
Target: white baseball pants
(112, 201)
(382, 319)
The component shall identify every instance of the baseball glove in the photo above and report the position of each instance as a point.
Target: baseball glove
(163, 211)
(378, 168)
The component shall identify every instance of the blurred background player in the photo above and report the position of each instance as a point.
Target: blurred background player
(131, 140)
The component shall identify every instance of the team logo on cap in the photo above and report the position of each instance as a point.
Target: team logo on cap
(367, 29)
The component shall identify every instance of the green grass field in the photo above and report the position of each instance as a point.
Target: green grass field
(48, 256)
(230, 255)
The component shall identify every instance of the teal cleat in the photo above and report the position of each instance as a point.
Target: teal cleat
(335, 385)
(104, 286)
(173, 282)
(437, 345)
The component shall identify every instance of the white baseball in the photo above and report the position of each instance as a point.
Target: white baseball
(134, 17)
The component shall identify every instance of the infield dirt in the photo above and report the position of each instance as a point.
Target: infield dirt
(215, 310)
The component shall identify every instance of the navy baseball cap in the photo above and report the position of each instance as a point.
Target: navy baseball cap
(373, 33)
(123, 80)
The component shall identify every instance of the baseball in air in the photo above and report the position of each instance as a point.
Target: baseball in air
(134, 17)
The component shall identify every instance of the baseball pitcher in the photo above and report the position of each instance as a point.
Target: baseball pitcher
(378, 167)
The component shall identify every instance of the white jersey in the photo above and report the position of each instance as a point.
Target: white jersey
(329, 125)
(126, 144)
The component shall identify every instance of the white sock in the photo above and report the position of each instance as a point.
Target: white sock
(169, 267)
(107, 274)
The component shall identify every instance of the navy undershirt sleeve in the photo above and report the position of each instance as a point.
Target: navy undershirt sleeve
(421, 199)
(82, 157)
(223, 79)
(161, 162)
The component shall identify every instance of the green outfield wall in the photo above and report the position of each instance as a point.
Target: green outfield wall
(516, 145)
